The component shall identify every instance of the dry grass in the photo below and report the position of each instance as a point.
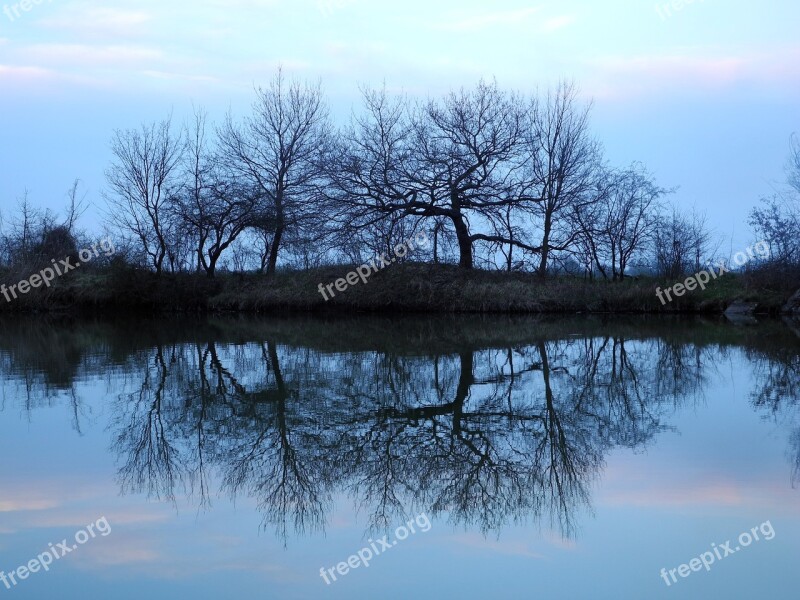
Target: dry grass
(400, 288)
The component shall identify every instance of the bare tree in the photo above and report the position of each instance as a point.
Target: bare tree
(366, 168)
(777, 220)
(213, 206)
(379, 237)
(142, 182)
(563, 164)
(793, 164)
(27, 227)
(76, 206)
(456, 159)
(233, 210)
(680, 244)
(196, 190)
(36, 236)
(619, 224)
(506, 226)
(264, 245)
(277, 150)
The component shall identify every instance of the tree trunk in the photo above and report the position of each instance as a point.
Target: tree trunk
(464, 241)
(548, 225)
(466, 380)
(159, 262)
(273, 253)
(212, 267)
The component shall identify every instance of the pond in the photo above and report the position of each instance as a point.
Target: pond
(412, 457)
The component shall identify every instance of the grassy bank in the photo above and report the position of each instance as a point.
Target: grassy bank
(401, 288)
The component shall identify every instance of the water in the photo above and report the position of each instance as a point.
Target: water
(557, 458)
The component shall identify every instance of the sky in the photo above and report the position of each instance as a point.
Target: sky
(705, 94)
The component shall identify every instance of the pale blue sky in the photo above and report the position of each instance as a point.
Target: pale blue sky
(706, 96)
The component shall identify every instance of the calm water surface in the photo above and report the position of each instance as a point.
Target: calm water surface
(534, 458)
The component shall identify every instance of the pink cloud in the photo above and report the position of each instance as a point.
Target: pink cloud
(26, 504)
(510, 548)
(615, 76)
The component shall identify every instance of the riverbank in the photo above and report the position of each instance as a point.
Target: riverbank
(402, 288)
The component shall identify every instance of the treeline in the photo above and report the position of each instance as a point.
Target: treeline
(776, 220)
(31, 237)
(496, 180)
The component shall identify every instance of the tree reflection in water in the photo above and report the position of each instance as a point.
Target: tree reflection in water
(485, 421)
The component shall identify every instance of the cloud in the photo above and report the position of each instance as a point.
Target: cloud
(702, 495)
(84, 55)
(114, 552)
(13, 72)
(243, 4)
(493, 19)
(171, 76)
(87, 64)
(99, 20)
(508, 548)
(617, 76)
(79, 518)
(671, 497)
(556, 23)
(559, 541)
(25, 504)
(674, 68)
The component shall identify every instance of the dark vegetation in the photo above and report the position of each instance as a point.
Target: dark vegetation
(522, 212)
(405, 288)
